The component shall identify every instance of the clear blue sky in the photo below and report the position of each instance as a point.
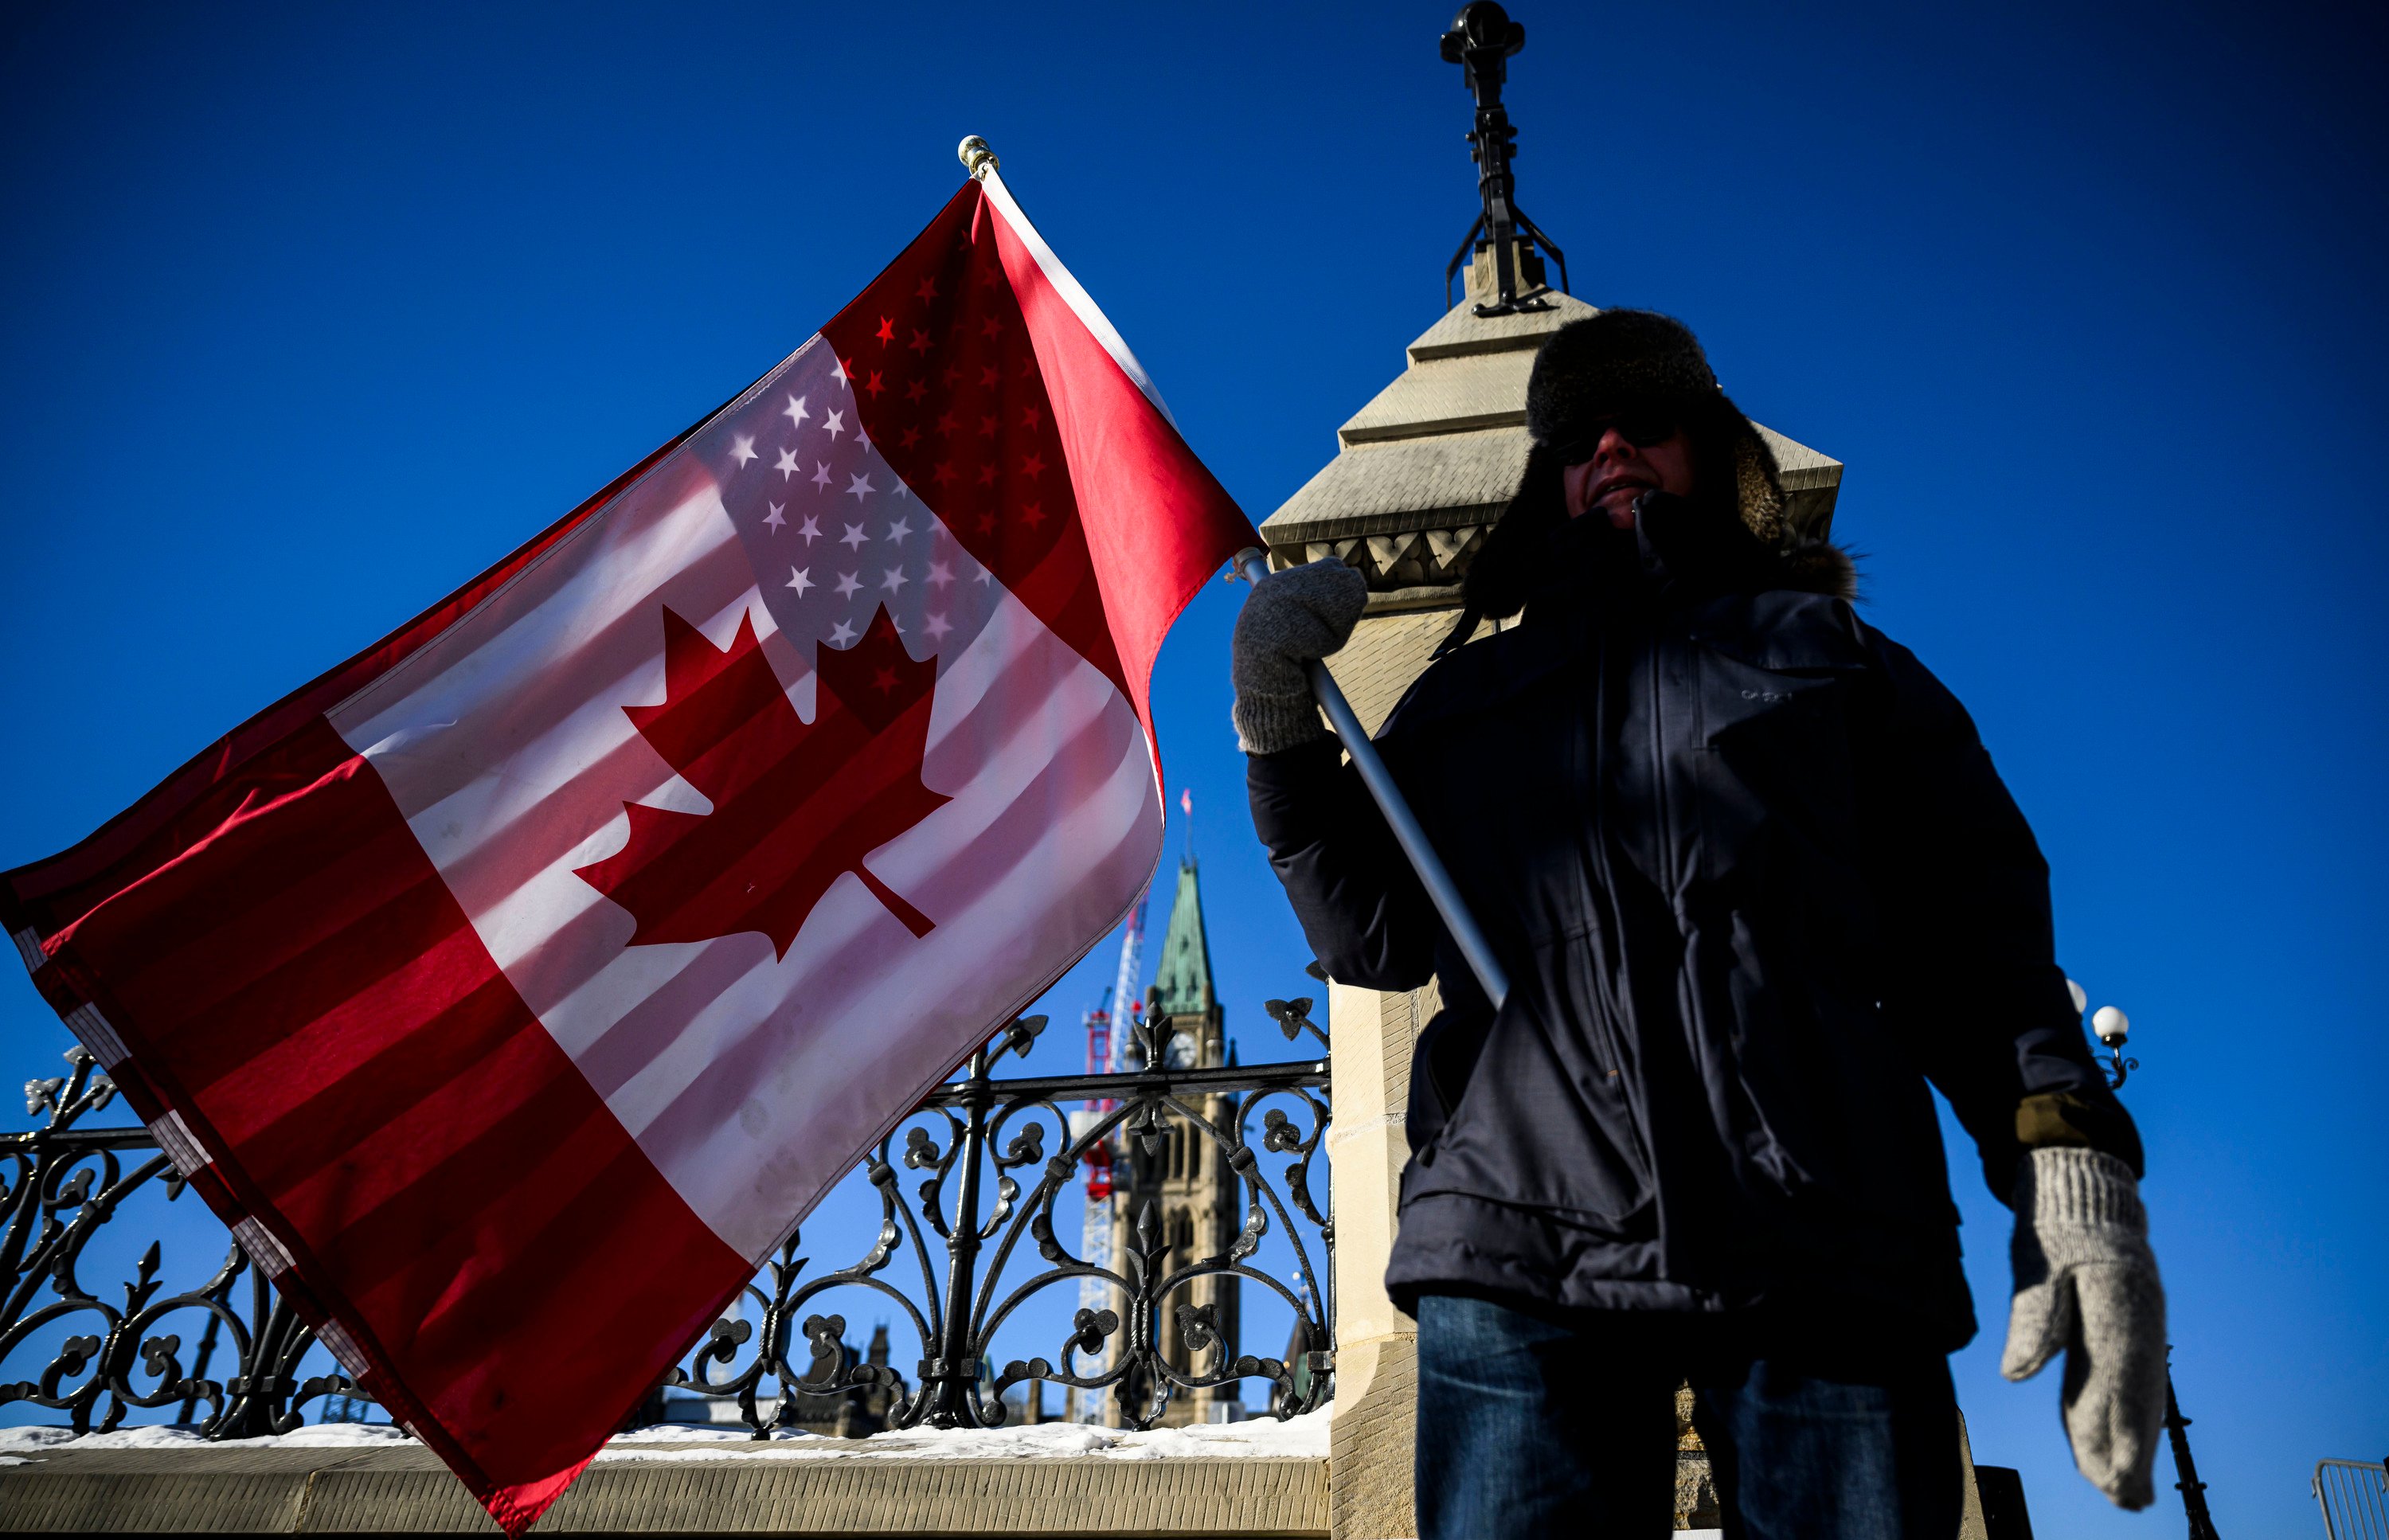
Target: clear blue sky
(308, 313)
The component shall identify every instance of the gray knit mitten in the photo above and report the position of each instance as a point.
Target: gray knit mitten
(2085, 1283)
(1291, 619)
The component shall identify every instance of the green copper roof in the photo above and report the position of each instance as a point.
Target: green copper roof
(1184, 971)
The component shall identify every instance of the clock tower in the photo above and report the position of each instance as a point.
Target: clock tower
(1176, 1184)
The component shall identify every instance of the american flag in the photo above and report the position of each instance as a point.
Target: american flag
(812, 498)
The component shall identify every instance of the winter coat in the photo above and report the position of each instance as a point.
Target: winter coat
(1755, 884)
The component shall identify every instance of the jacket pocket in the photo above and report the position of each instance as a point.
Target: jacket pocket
(1775, 760)
(1441, 1064)
(1539, 1123)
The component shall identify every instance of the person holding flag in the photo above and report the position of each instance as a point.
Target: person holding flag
(1730, 881)
(518, 984)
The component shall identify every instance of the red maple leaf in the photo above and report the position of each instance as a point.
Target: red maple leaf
(793, 805)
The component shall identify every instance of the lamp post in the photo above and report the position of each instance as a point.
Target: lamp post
(2113, 1030)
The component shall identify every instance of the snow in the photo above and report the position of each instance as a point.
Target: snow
(1299, 1438)
(329, 1435)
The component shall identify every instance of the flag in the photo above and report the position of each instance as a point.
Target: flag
(512, 989)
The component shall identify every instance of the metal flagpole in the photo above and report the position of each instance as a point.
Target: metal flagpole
(1253, 566)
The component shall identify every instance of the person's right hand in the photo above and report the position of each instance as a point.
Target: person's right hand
(1292, 618)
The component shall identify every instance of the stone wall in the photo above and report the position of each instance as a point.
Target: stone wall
(332, 1491)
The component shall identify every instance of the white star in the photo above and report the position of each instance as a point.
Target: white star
(838, 372)
(862, 439)
(842, 634)
(835, 423)
(853, 538)
(859, 486)
(985, 576)
(820, 476)
(800, 579)
(787, 464)
(901, 490)
(742, 449)
(894, 579)
(810, 529)
(940, 574)
(772, 520)
(937, 628)
(795, 411)
(898, 530)
(847, 587)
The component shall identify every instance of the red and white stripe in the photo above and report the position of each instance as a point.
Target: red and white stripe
(344, 967)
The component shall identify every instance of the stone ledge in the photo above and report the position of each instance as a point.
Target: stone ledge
(335, 1491)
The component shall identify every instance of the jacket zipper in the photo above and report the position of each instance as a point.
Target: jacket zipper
(1659, 778)
(1612, 928)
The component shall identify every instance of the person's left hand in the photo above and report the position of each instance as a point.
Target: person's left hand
(2086, 1283)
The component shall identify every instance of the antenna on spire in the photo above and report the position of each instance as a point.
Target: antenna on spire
(1481, 41)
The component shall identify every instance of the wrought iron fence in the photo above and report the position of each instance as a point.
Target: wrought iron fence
(61, 1184)
(2354, 1498)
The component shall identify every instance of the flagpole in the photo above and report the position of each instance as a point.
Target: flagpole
(1253, 566)
(979, 159)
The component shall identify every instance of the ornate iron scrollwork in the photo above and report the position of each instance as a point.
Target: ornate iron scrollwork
(60, 1184)
(983, 1128)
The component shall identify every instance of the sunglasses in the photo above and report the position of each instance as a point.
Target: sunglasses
(1640, 428)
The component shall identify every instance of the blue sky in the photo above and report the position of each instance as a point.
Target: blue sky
(309, 313)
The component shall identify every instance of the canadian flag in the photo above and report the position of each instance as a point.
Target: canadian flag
(515, 987)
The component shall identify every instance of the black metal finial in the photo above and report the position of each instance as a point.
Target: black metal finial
(1481, 41)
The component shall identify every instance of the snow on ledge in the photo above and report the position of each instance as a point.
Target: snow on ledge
(1298, 1438)
(330, 1436)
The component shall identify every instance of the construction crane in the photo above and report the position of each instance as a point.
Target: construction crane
(1103, 1058)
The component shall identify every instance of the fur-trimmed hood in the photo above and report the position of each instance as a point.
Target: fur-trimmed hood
(1819, 567)
(1678, 548)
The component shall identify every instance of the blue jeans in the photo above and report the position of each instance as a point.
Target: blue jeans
(1535, 1425)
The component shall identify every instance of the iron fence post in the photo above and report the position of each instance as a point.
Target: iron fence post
(957, 1360)
(199, 1361)
(2192, 1490)
(2113, 1036)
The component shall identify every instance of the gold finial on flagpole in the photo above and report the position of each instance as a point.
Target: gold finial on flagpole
(976, 157)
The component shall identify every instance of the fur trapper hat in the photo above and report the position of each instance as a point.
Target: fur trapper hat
(1609, 361)
(1628, 360)
(1621, 360)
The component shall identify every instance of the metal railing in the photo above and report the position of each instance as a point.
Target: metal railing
(2354, 1498)
(62, 1185)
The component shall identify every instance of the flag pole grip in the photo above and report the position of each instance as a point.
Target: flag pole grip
(1253, 566)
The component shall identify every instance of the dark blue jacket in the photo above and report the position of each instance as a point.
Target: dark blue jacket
(1756, 885)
